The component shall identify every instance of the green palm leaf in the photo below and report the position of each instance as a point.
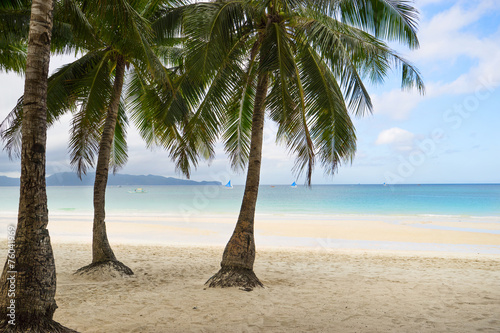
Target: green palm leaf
(72, 31)
(356, 55)
(63, 93)
(119, 147)
(12, 56)
(331, 127)
(238, 124)
(393, 20)
(94, 91)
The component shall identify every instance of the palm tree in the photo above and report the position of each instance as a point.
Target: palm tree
(125, 41)
(304, 61)
(28, 280)
(92, 87)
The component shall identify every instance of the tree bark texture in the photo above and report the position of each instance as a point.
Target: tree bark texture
(28, 282)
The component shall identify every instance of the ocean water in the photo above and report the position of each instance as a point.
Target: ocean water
(440, 200)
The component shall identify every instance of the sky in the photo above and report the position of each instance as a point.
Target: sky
(449, 135)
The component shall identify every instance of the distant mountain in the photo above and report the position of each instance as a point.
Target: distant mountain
(71, 179)
(7, 181)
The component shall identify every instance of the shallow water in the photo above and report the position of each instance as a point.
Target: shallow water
(425, 200)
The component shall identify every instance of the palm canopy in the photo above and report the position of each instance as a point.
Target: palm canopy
(107, 31)
(317, 54)
(14, 25)
(71, 31)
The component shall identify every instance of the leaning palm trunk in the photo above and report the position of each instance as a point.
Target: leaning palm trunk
(28, 282)
(239, 254)
(102, 254)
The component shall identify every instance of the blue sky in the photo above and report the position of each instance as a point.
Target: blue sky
(449, 135)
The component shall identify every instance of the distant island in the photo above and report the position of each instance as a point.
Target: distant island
(71, 179)
(7, 181)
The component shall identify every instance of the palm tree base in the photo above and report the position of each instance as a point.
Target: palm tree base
(234, 277)
(108, 268)
(34, 326)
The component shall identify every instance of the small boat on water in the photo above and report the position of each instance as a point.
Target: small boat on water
(228, 185)
(138, 190)
(294, 185)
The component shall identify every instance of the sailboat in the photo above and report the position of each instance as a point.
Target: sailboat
(294, 185)
(228, 185)
(138, 190)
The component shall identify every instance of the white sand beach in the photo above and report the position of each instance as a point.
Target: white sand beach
(306, 290)
(323, 287)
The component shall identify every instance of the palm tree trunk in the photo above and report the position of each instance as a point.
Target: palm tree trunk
(239, 254)
(102, 254)
(28, 282)
(101, 250)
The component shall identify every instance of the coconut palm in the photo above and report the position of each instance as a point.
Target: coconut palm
(302, 61)
(29, 277)
(126, 41)
(92, 88)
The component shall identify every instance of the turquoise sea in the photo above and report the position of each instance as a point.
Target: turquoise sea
(442, 200)
(393, 204)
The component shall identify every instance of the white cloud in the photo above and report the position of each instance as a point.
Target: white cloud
(443, 40)
(398, 138)
(396, 104)
(484, 76)
(437, 36)
(422, 3)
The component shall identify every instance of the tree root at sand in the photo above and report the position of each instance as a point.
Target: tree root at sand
(25, 325)
(234, 277)
(113, 268)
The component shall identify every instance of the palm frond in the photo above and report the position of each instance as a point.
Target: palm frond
(157, 113)
(119, 147)
(326, 121)
(238, 123)
(293, 129)
(332, 130)
(14, 26)
(12, 56)
(356, 55)
(278, 57)
(167, 23)
(11, 130)
(94, 94)
(13, 4)
(212, 30)
(153, 108)
(392, 20)
(72, 31)
(68, 85)
(64, 92)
